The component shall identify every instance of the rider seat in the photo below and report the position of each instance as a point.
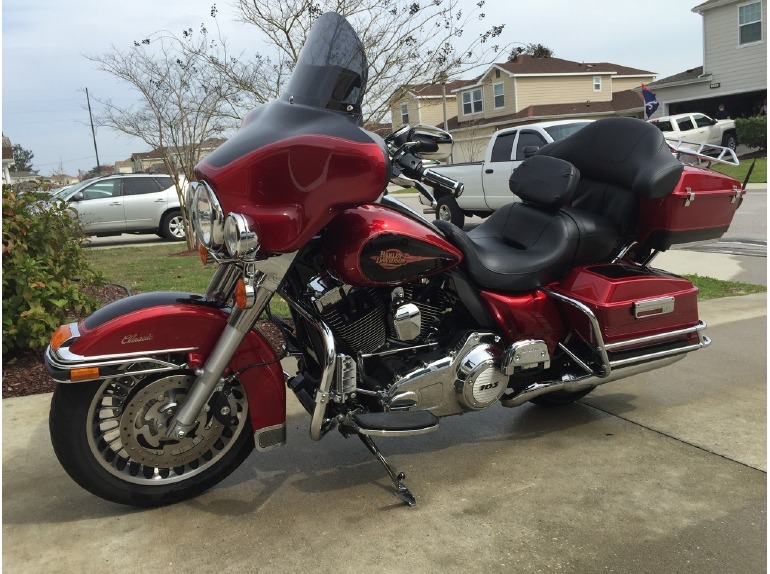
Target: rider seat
(579, 204)
(522, 246)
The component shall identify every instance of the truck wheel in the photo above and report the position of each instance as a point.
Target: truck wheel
(448, 210)
(730, 140)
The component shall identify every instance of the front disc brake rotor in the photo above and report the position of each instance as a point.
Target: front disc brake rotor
(129, 417)
(145, 421)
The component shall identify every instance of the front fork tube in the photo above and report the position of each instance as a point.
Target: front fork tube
(241, 321)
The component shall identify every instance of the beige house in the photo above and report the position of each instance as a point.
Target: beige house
(734, 70)
(524, 90)
(529, 89)
(424, 104)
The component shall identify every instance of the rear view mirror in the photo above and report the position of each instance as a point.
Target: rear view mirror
(78, 196)
(432, 143)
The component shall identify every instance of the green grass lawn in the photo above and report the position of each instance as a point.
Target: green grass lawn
(160, 268)
(759, 175)
(165, 267)
(709, 288)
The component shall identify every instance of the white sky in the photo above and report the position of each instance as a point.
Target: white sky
(45, 72)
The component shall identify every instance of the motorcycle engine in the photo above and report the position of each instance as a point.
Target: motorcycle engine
(364, 319)
(402, 340)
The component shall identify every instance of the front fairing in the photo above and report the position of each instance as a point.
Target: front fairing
(292, 168)
(298, 161)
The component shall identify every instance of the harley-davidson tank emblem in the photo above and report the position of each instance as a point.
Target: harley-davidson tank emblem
(128, 339)
(395, 258)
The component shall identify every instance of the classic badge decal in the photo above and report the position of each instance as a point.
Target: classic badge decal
(128, 339)
(395, 258)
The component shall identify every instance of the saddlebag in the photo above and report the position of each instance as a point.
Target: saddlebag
(699, 209)
(634, 306)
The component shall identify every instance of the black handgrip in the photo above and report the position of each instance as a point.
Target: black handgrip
(456, 187)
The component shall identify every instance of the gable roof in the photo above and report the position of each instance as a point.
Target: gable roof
(431, 90)
(699, 9)
(626, 102)
(687, 77)
(526, 64)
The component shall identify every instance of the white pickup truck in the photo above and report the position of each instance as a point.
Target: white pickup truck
(486, 182)
(697, 129)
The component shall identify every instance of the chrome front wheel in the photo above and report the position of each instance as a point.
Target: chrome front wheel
(110, 437)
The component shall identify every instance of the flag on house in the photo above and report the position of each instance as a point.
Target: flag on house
(650, 101)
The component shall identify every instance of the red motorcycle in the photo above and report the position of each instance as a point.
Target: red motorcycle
(395, 322)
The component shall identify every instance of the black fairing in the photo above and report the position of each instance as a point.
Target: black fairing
(142, 301)
(279, 120)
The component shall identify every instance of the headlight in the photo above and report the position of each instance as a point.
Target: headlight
(207, 216)
(241, 240)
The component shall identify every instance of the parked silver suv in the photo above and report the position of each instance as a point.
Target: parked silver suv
(127, 203)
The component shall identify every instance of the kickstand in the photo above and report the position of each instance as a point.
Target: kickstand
(401, 491)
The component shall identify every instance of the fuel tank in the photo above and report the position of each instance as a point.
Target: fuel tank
(374, 245)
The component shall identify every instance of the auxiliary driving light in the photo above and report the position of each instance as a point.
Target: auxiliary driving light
(240, 240)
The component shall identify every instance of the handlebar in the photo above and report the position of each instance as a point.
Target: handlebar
(456, 187)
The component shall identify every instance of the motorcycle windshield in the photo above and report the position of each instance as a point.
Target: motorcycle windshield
(332, 70)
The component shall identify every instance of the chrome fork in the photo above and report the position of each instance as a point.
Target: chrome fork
(264, 279)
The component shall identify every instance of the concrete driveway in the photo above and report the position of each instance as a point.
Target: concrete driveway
(661, 473)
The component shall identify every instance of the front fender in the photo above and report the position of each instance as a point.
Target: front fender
(147, 328)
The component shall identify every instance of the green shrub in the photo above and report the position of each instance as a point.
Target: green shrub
(752, 132)
(44, 268)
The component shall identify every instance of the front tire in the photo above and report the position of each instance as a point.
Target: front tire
(448, 210)
(110, 438)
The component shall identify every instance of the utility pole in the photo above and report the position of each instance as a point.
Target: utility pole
(93, 134)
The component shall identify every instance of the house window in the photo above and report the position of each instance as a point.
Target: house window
(750, 23)
(472, 102)
(404, 114)
(499, 90)
(597, 83)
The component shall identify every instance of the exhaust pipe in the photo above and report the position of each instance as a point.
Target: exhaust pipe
(573, 384)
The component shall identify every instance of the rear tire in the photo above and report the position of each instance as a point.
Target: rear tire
(448, 210)
(110, 438)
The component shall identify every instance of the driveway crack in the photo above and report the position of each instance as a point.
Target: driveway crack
(656, 431)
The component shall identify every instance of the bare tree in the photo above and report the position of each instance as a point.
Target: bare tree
(186, 98)
(406, 42)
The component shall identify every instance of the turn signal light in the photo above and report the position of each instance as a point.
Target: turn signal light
(84, 374)
(61, 335)
(244, 295)
(240, 297)
(204, 254)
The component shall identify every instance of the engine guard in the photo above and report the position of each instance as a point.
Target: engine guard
(149, 327)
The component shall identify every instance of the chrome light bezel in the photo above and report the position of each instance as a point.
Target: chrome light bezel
(241, 240)
(208, 222)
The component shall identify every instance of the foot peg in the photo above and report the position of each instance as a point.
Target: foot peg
(395, 423)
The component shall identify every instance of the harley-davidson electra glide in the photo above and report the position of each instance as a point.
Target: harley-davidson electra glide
(395, 322)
